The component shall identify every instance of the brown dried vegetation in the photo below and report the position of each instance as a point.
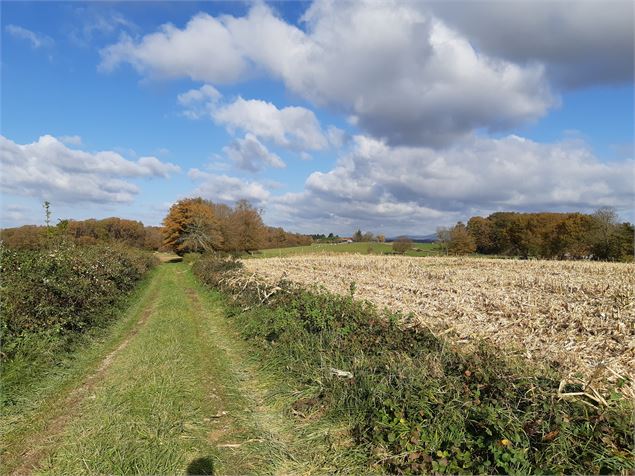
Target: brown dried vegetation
(580, 315)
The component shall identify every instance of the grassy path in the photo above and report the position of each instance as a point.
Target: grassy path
(177, 393)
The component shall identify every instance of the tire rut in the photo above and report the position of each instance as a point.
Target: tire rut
(268, 421)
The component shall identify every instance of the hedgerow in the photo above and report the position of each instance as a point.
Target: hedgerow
(63, 289)
(414, 401)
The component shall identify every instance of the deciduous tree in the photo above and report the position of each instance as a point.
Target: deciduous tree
(248, 226)
(461, 242)
(191, 225)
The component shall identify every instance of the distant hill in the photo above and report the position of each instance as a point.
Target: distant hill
(417, 238)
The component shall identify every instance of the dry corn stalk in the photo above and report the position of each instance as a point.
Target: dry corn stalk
(578, 314)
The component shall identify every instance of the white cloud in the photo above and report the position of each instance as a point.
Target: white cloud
(205, 93)
(226, 189)
(249, 154)
(37, 40)
(50, 170)
(204, 51)
(413, 189)
(406, 77)
(71, 140)
(398, 71)
(199, 102)
(292, 127)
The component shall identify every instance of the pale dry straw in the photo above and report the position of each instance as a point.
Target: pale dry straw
(578, 314)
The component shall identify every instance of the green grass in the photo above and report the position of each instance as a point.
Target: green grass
(419, 249)
(160, 407)
(181, 393)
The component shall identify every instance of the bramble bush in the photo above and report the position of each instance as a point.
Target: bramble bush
(63, 289)
(416, 402)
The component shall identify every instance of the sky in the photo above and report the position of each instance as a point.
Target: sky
(390, 116)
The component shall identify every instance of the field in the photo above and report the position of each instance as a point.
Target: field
(578, 314)
(419, 249)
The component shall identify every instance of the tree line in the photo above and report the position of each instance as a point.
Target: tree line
(368, 236)
(86, 232)
(198, 225)
(598, 236)
(192, 225)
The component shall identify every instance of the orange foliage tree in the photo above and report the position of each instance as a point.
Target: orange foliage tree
(192, 226)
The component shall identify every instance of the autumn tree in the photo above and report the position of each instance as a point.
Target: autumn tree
(625, 238)
(203, 231)
(153, 239)
(461, 242)
(130, 232)
(572, 236)
(248, 226)
(27, 237)
(192, 226)
(481, 230)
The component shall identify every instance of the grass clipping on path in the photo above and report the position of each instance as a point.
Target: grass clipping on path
(580, 315)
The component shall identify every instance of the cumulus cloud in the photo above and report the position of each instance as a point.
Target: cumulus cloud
(204, 51)
(227, 189)
(399, 72)
(71, 140)
(413, 189)
(37, 40)
(404, 76)
(199, 102)
(291, 127)
(206, 93)
(584, 44)
(249, 154)
(50, 170)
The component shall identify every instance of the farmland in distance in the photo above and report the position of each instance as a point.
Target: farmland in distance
(418, 249)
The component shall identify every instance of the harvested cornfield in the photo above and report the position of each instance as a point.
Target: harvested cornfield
(580, 315)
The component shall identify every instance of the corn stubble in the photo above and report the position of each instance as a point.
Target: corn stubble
(579, 316)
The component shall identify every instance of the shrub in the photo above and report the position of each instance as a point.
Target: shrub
(401, 245)
(65, 288)
(212, 268)
(191, 258)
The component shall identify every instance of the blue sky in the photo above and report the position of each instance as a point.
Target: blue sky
(390, 116)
